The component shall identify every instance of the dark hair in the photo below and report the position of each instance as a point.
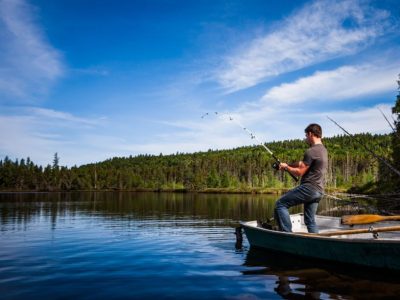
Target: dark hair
(315, 129)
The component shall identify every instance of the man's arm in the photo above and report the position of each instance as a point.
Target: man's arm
(297, 168)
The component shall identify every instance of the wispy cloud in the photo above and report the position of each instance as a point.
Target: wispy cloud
(39, 133)
(347, 82)
(320, 31)
(275, 117)
(54, 116)
(28, 63)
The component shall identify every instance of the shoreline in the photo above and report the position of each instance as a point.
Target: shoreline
(266, 191)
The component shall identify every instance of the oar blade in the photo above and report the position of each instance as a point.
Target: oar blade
(361, 219)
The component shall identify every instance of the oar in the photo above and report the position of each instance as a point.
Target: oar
(366, 219)
(354, 231)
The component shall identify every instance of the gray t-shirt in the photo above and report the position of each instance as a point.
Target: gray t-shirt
(316, 157)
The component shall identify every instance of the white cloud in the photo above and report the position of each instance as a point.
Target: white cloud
(39, 133)
(318, 32)
(20, 139)
(344, 83)
(28, 63)
(59, 116)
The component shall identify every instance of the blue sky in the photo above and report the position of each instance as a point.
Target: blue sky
(91, 80)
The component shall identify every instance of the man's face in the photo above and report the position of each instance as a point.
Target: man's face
(308, 138)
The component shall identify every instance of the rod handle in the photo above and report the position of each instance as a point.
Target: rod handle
(276, 164)
(294, 177)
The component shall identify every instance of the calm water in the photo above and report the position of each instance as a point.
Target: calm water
(149, 246)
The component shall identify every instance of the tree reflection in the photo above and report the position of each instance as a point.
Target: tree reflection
(299, 278)
(19, 208)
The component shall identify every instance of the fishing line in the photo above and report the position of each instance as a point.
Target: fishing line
(252, 136)
(393, 169)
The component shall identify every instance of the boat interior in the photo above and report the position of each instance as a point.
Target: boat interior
(327, 224)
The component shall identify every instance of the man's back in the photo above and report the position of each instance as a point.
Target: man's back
(316, 157)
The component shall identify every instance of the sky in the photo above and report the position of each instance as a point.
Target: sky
(96, 79)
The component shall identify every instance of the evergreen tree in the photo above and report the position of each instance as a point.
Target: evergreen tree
(56, 161)
(396, 137)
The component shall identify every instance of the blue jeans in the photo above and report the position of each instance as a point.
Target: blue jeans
(303, 194)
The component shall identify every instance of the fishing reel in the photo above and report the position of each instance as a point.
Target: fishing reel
(276, 164)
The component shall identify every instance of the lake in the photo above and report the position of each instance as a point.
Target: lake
(122, 245)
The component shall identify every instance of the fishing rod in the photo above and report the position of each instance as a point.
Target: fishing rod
(277, 162)
(390, 124)
(394, 132)
(366, 148)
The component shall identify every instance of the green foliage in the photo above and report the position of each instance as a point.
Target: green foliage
(396, 140)
(240, 169)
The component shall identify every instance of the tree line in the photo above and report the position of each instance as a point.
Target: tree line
(241, 169)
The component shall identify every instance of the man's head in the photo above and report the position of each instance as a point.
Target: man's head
(315, 129)
(313, 133)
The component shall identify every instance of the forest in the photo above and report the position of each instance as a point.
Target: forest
(244, 169)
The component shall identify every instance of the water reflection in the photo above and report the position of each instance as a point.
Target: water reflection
(298, 277)
(24, 207)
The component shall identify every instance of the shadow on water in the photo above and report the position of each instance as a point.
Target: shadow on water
(299, 278)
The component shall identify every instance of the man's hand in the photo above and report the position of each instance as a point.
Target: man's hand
(283, 166)
(297, 169)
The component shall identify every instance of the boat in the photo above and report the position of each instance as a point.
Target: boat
(370, 245)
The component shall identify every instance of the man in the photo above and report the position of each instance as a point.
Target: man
(312, 170)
